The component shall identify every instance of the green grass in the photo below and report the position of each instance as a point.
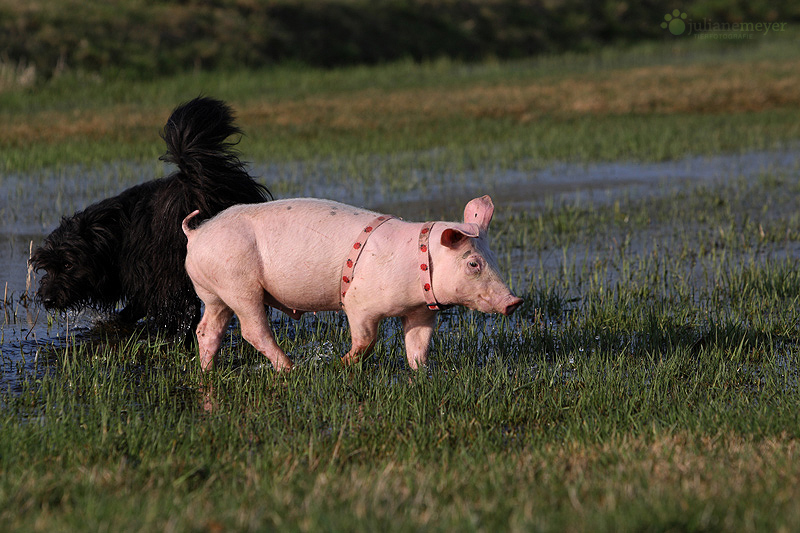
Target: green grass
(649, 103)
(652, 386)
(649, 382)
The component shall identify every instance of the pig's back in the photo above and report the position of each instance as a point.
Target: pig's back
(311, 218)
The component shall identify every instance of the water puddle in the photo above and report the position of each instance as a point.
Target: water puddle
(32, 206)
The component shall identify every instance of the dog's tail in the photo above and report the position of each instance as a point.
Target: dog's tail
(185, 224)
(196, 135)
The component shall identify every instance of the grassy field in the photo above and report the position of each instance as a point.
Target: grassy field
(649, 103)
(649, 382)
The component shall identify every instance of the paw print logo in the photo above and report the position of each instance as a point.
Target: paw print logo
(675, 22)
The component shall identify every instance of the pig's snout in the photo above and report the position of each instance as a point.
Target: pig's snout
(505, 304)
(511, 305)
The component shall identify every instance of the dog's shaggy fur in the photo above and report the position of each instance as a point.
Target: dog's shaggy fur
(130, 249)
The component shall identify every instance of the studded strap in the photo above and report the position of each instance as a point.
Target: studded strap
(355, 252)
(425, 266)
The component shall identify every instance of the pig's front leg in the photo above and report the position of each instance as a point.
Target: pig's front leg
(418, 328)
(363, 333)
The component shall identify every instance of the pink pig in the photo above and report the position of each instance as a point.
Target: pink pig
(307, 254)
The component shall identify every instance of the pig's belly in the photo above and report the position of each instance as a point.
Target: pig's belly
(303, 293)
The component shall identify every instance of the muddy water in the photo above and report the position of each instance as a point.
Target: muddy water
(31, 206)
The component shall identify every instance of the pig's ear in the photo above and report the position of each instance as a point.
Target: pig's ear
(479, 211)
(455, 234)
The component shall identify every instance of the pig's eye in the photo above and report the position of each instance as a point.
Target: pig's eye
(474, 265)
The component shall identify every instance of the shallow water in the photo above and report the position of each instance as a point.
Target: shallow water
(32, 206)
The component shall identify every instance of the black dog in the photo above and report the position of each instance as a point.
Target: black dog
(130, 249)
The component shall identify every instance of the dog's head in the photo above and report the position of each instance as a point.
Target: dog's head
(78, 258)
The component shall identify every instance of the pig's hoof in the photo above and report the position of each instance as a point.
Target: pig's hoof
(350, 360)
(283, 366)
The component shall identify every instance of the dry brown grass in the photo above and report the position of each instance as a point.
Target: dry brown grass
(702, 88)
(117, 122)
(694, 89)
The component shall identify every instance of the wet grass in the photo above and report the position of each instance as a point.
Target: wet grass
(739, 214)
(645, 384)
(649, 382)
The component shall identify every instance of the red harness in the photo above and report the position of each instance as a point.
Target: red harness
(355, 253)
(425, 270)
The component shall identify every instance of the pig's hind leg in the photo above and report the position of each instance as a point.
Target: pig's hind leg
(254, 322)
(211, 328)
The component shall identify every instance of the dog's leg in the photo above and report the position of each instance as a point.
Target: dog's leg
(131, 314)
(256, 330)
(211, 330)
(188, 341)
